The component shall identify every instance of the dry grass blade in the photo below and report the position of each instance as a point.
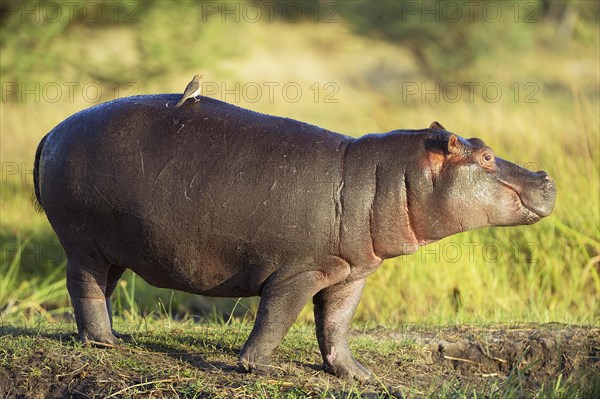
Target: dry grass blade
(142, 384)
(460, 359)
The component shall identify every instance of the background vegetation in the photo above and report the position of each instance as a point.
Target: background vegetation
(525, 80)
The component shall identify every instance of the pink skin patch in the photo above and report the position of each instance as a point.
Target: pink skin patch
(332, 355)
(435, 162)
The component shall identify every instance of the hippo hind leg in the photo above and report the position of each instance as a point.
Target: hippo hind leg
(114, 274)
(88, 289)
(334, 308)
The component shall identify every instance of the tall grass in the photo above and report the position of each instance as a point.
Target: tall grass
(544, 272)
(30, 298)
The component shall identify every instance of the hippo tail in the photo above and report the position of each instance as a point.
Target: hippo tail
(37, 199)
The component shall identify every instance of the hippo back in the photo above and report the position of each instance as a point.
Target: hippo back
(207, 185)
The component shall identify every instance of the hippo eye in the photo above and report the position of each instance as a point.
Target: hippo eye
(487, 158)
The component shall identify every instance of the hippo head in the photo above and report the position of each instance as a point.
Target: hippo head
(463, 186)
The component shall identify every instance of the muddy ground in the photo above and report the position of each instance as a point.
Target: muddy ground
(506, 361)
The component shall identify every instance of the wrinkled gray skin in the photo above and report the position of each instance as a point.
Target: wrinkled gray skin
(221, 201)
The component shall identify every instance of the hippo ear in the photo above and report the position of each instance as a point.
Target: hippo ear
(454, 145)
(436, 126)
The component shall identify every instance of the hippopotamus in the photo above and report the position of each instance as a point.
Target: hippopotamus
(218, 200)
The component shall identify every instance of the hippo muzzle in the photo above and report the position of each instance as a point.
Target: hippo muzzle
(536, 191)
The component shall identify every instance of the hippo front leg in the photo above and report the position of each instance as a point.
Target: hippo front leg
(334, 309)
(283, 296)
(282, 299)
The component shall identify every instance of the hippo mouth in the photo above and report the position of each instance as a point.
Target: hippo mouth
(532, 212)
(531, 215)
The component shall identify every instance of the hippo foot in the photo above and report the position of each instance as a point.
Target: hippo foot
(246, 366)
(350, 369)
(102, 340)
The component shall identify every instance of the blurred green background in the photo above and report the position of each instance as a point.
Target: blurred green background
(521, 75)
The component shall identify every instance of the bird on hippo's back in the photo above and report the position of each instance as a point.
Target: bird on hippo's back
(192, 90)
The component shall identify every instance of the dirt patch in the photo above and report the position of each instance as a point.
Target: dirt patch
(531, 357)
(417, 362)
(536, 352)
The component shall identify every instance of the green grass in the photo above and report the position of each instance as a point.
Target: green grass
(32, 297)
(198, 360)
